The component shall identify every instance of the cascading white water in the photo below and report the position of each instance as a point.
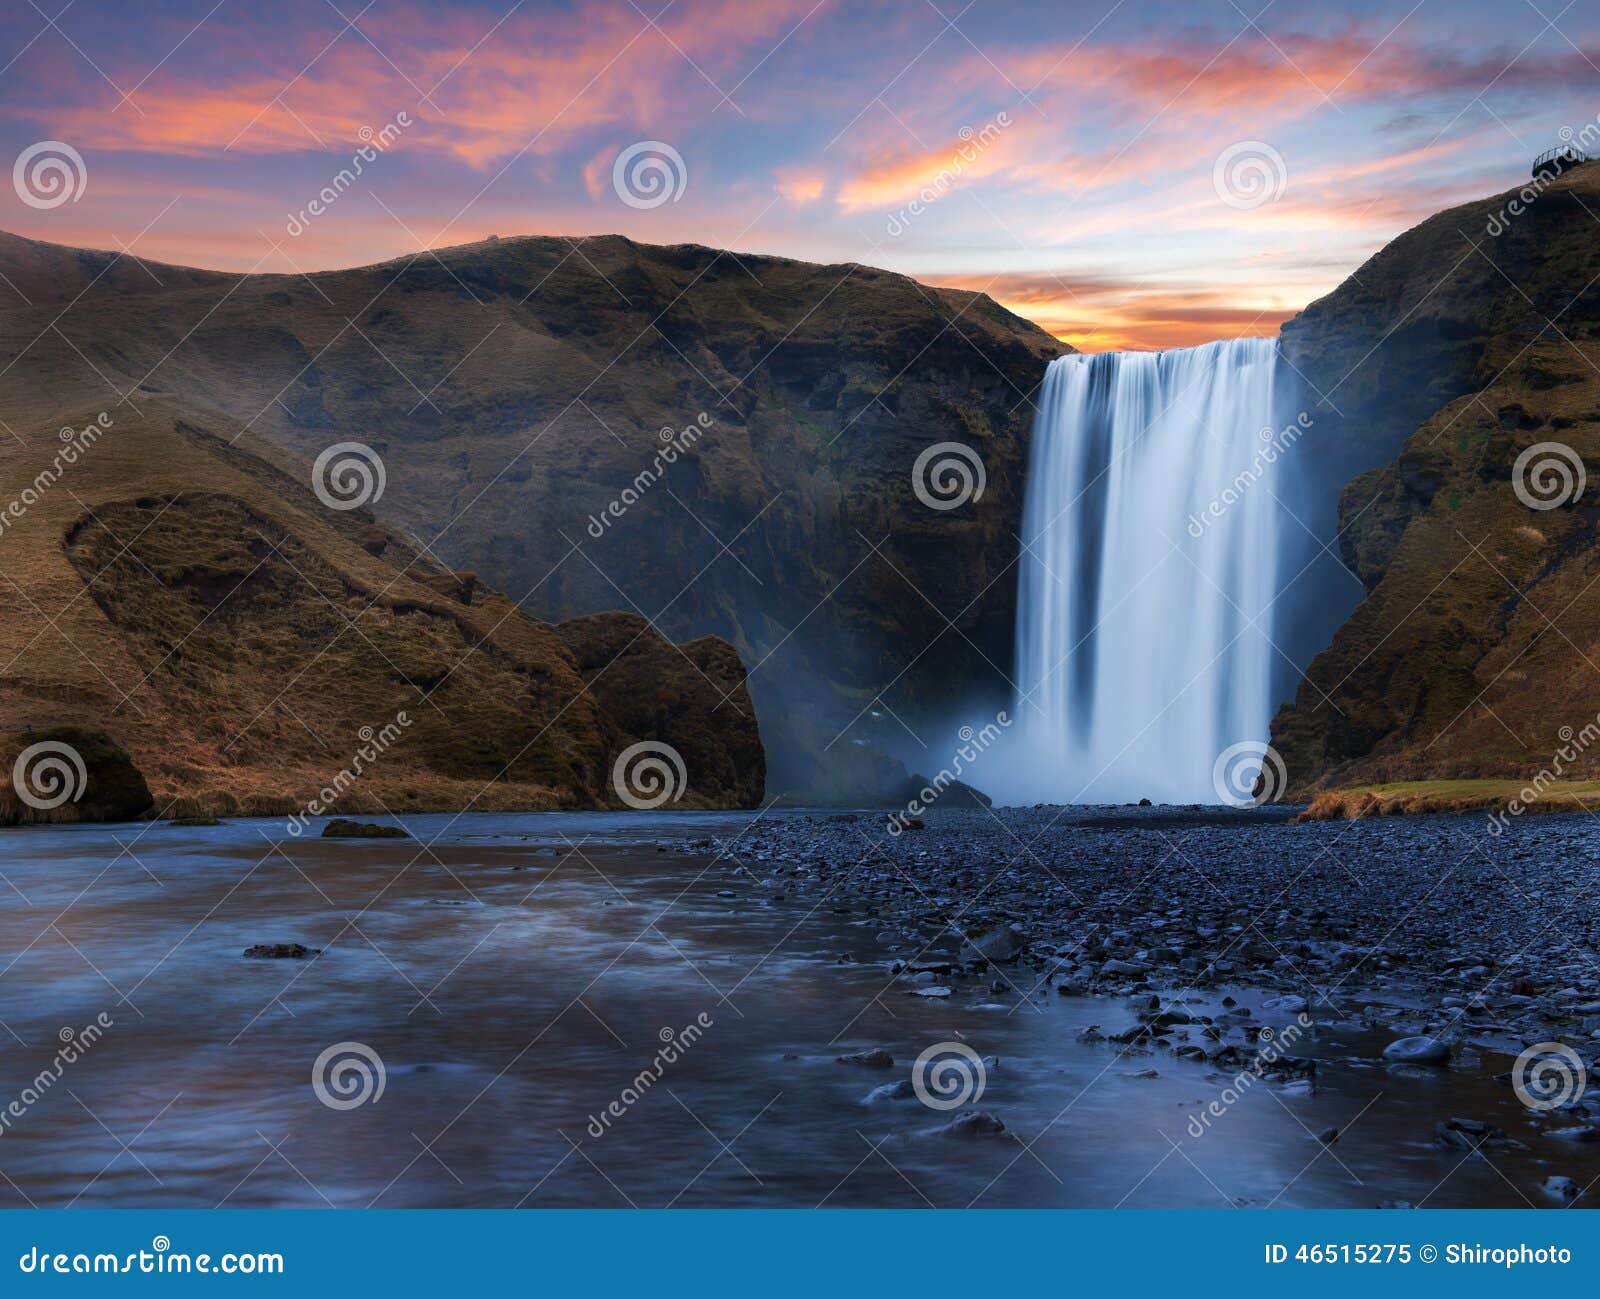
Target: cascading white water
(1148, 572)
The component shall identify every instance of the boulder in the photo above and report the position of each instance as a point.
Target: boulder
(877, 1058)
(973, 1124)
(281, 952)
(1417, 1050)
(999, 945)
(70, 773)
(340, 828)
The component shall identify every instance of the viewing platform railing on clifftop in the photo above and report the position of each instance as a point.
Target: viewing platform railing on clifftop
(1560, 159)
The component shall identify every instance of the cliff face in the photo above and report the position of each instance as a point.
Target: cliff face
(185, 628)
(1448, 356)
(522, 395)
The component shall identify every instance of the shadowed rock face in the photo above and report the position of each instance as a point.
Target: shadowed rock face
(70, 774)
(689, 696)
(194, 633)
(516, 389)
(1448, 355)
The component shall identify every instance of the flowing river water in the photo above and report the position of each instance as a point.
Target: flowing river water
(517, 974)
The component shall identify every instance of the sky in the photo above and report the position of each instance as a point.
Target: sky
(1127, 174)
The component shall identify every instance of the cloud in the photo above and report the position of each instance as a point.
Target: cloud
(1112, 312)
(800, 184)
(481, 92)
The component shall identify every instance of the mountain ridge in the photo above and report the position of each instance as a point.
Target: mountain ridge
(514, 388)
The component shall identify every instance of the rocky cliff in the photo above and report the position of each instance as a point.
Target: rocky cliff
(719, 444)
(185, 628)
(1459, 372)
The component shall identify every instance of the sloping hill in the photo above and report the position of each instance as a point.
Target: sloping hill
(195, 606)
(1476, 651)
(517, 392)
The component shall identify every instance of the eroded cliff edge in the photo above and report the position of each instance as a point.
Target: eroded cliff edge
(1445, 358)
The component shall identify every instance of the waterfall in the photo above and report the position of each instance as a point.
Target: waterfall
(1148, 573)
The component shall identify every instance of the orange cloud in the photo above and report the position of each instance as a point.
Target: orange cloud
(896, 176)
(799, 184)
(479, 93)
(1107, 313)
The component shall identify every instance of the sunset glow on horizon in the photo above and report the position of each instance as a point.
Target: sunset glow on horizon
(1124, 182)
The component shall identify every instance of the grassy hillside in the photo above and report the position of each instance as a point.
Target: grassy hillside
(193, 605)
(1474, 654)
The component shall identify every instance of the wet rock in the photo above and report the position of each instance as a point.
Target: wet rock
(1417, 1050)
(999, 945)
(1563, 1190)
(1328, 1136)
(1466, 1134)
(877, 1058)
(281, 952)
(1577, 1136)
(895, 1091)
(973, 1124)
(340, 828)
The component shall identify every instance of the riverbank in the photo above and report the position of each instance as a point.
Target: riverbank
(1414, 797)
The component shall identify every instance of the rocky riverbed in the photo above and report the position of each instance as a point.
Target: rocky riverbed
(1425, 925)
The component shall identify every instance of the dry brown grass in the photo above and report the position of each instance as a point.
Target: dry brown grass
(195, 602)
(1475, 654)
(1416, 797)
